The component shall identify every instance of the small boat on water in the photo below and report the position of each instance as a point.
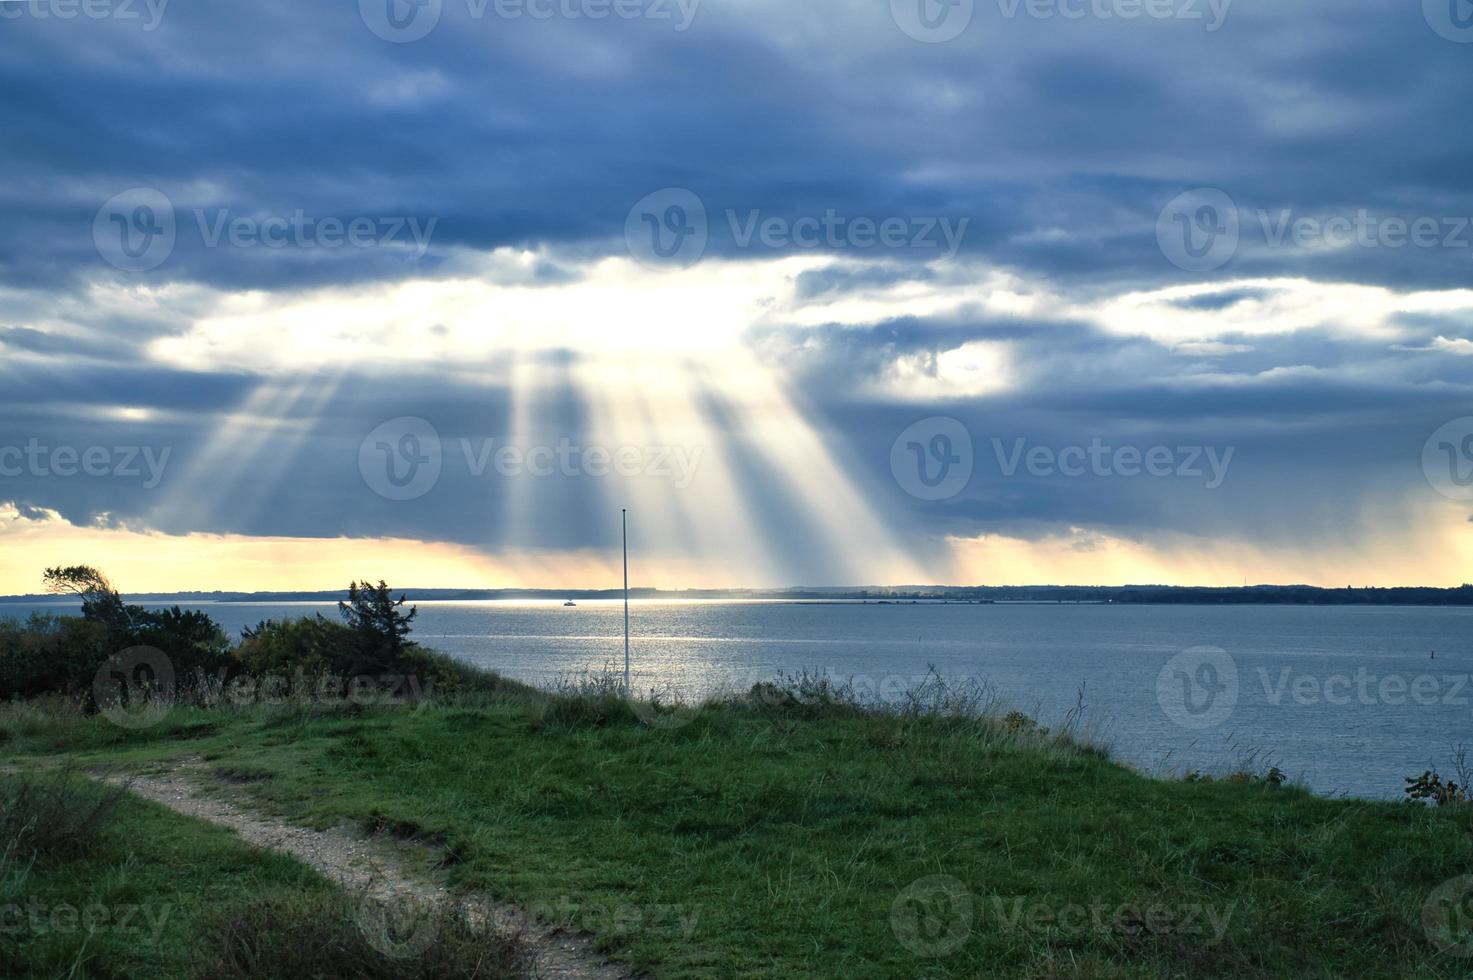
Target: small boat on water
(570, 602)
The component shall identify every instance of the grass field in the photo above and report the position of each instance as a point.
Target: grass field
(795, 836)
(112, 886)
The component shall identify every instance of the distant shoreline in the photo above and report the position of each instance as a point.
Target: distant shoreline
(964, 595)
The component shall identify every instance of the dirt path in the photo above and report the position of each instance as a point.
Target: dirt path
(388, 874)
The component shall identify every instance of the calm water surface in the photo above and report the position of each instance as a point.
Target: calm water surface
(1344, 699)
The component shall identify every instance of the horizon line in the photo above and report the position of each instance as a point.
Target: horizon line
(776, 591)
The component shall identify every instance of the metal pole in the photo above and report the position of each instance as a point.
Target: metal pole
(624, 518)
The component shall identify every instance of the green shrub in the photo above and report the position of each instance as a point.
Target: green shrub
(338, 937)
(53, 816)
(192, 640)
(1431, 786)
(50, 654)
(315, 646)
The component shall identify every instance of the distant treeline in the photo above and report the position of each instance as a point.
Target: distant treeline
(1298, 595)
(1284, 595)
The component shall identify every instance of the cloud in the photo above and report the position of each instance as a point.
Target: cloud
(1461, 346)
(495, 163)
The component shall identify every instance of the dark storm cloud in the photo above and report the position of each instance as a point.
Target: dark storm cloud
(1224, 299)
(1311, 443)
(1057, 142)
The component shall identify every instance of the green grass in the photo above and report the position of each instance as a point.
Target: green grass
(97, 883)
(797, 839)
(151, 885)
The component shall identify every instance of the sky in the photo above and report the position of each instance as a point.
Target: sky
(841, 292)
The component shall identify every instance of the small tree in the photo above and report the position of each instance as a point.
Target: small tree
(100, 601)
(376, 617)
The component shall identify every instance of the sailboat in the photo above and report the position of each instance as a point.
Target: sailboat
(570, 602)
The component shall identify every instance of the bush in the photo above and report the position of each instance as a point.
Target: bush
(60, 655)
(50, 654)
(1431, 786)
(53, 816)
(806, 695)
(456, 677)
(314, 646)
(192, 640)
(338, 937)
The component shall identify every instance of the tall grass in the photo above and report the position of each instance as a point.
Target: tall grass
(57, 815)
(345, 937)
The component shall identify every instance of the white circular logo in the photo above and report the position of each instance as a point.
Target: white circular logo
(661, 716)
(1447, 459)
(1199, 230)
(1447, 916)
(667, 228)
(932, 459)
(399, 926)
(135, 231)
(932, 21)
(400, 21)
(135, 688)
(1198, 688)
(1452, 19)
(401, 459)
(932, 917)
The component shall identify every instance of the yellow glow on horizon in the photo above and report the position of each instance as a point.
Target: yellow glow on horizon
(1437, 554)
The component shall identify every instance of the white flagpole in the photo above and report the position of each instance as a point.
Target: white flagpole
(624, 517)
